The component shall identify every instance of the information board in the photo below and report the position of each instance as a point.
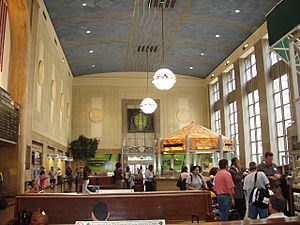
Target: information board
(9, 119)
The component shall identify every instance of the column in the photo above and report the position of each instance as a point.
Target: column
(187, 144)
(241, 98)
(264, 85)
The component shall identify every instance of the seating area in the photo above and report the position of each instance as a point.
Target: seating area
(67, 208)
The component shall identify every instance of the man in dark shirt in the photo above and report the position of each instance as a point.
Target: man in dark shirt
(237, 177)
(270, 169)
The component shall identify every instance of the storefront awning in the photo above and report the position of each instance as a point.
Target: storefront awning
(201, 138)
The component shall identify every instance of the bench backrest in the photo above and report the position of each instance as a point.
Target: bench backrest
(67, 208)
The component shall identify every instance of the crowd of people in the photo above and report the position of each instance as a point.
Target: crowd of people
(230, 186)
(234, 189)
(55, 178)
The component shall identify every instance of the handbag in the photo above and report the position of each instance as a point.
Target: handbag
(23, 217)
(39, 218)
(259, 197)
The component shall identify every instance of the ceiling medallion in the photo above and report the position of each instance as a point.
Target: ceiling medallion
(96, 115)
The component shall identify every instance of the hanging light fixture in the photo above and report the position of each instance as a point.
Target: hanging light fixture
(148, 105)
(163, 79)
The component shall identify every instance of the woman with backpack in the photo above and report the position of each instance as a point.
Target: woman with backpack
(196, 181)
(181, 183)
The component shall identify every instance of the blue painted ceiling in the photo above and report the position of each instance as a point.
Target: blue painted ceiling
(119, 27)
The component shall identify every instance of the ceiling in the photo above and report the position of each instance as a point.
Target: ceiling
(120, 28)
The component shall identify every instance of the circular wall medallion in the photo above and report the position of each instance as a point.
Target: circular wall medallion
(183, 115)
(96, 115)
(41, 73)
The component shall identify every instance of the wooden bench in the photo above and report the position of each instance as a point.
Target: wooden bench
(287, 221)
(284, 221)
(67, 208)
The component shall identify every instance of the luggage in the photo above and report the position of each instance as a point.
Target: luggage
(233, 215)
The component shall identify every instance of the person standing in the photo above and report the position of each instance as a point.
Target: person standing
(118, 176)
(86, 173)
(195, 181)
(249, 183)
(43, 179)
(149, 178)
(182, 178)
(272, 173)
(211, 179)
(76, 178)
(237, 177)
(224, 188)
(52, 177)
(69, 177)
(127, 176)
(58, 176)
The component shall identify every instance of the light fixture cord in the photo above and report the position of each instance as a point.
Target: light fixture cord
(147, 73)
(162, 33)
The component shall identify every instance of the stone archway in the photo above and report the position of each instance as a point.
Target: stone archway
(13, 160)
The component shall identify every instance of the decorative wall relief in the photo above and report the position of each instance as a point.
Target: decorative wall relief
(139, 122)
(183, 115)
(96, 115)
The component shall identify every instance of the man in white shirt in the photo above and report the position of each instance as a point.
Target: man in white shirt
(261, 182)
(149, 178)
(276, 206)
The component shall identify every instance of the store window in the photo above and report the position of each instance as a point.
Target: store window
(217, 121)
(233, 123)
(250, 63)
(255, 127)
(282, 103)
(231, 81)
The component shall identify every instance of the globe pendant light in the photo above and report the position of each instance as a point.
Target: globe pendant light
(148, 105)
(163, 79)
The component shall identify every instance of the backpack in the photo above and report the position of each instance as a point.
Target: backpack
(259, 197)
(181, 183)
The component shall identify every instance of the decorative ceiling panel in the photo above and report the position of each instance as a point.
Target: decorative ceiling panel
(119, 28)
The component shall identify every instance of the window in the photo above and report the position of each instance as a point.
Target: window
(217, 121)
(216, 117)
(250, 70)
(256, 149)
(215, 92)
(282, 113)
(231, 81)
(233, 124)
(274, 58)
